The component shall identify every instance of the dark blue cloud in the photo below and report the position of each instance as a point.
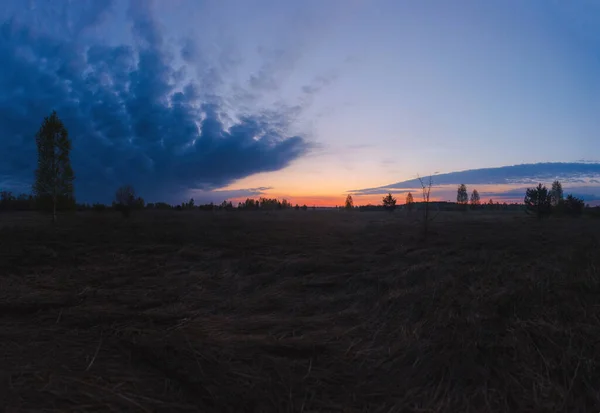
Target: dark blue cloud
(526, 174)
(131, 117)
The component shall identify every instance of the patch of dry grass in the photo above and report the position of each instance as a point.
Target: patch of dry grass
(299, 312)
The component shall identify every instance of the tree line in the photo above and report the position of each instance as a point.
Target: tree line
(126, 202)
(53, 190)
(540, 200)
(389, 203)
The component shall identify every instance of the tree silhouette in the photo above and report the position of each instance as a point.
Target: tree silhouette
(556, 193)
(125, 199)
(226, 205)
(389, 202)
(462, 197)
(573, 205)
(426, 193)
(410, 202)
(269, 203)
(250, 204)
(54, 176)
(475, 199)
(349, 204)
(6, 199)
(538, 200)
(139, 203)
(21, 202)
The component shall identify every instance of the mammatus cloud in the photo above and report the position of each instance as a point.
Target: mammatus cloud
(132, 116)
(582, 176)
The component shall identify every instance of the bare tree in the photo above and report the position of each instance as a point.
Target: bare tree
(410, 202)
(426, 194)
(125, 199)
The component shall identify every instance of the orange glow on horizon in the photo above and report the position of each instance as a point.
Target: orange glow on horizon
(332, 201)
(439, 193)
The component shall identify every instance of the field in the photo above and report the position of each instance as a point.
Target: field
(299, 311)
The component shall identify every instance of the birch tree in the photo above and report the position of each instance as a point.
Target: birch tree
(54, 176)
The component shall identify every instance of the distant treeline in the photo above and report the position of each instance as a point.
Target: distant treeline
(53, 190)
(28, 202)
(448, 206)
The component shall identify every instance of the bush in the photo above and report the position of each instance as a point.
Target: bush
(125, 200)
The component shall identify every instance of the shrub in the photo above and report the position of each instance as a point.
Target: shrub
(125, 200)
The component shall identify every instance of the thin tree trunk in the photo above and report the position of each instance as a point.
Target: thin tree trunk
(54, 178)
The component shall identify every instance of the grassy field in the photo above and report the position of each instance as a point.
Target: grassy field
(299, 311)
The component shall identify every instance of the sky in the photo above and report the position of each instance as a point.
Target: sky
(308, 100)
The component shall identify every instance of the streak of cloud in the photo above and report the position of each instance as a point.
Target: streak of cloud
(526, 174)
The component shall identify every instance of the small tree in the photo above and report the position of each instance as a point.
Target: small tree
(475, 199)
(139, 203)
(6, 199)
(538, 200)
(462, 197)
(389, 202)
(426, 193)
(349, 203)
(573, 205)
(54, 176)
(410, 202)
(125, 199)
(556, 193)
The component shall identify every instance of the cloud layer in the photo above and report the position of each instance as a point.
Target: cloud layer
(585, 176)
(134, 115)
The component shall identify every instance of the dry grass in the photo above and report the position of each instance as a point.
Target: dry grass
(299, 312)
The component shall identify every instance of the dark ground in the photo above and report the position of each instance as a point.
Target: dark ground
(299, 312)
